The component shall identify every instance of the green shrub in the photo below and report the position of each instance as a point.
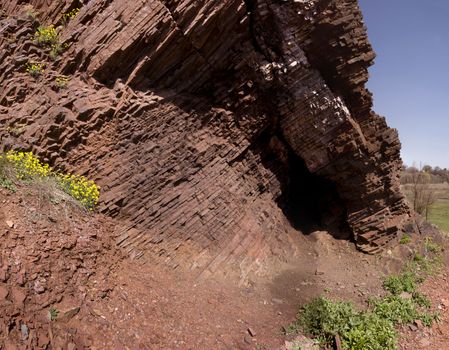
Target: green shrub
(395, 309)
(372, 329)
(421, 300)
(5, 182)
(324, 319)
(405, 282)
(371, 332)
(405, 239)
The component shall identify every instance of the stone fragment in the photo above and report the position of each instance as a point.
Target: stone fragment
(18, 296)
(69, 314)
(3, 293)
(445, 303)
(419, 324)
(39, 287)
(251, 332)
(24, 331)
(405, 295)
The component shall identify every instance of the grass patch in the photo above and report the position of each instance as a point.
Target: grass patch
(27, 168)
(431, 246)
(439, 215)
(424, 266)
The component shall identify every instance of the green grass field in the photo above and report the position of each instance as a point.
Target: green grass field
(439, 213)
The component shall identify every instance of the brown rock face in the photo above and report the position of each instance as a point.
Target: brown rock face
(209, 123)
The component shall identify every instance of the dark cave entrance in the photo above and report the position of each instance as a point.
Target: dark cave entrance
(309, 201)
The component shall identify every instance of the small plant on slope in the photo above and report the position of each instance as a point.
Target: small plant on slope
(46, 36)
(401, 310)
(31, 12)
(5, 182)
(405, 282)
(431, 246)
(53, 314)
(35, 69)
(66, 17)
(62, 81)
(405, 239)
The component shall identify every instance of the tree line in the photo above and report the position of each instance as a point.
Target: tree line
(434, 175)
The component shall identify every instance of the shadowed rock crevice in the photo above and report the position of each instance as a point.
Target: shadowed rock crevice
(309, 201)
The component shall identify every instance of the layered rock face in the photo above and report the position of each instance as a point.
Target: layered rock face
(201, 119)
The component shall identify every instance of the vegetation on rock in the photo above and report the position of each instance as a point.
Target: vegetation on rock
(70, 15)
(47, 36)
(62, 81)
(25, 166)
(35, 69)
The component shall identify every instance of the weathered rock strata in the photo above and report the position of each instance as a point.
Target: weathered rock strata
(192, 114)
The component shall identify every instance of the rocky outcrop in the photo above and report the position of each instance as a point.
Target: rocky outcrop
(201, 119)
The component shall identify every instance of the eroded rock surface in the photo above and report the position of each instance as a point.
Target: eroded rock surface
(191, 115)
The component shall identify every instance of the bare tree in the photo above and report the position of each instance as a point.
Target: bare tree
(423, 195)
(429, 200)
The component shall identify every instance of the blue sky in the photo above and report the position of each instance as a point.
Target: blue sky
(410, 78)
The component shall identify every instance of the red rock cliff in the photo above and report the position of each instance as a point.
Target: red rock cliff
(203, 119)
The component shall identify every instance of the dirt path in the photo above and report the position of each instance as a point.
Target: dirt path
(155, 308)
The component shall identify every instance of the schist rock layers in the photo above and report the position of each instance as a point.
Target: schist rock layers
(212, 126)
